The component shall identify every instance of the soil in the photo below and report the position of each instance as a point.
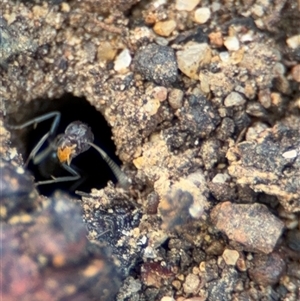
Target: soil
(202, 103)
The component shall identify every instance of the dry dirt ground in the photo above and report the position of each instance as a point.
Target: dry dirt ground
(199, 103)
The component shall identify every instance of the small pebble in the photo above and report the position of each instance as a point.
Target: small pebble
(157, 63)
(241, 265)
(234, 99)
(290, 284)
(167, 298)
(230, 256)
(164, 28)
(192, 57)
(160, 93)
(279, 69)
(106, 52)
(247, 37)
(151, 106)
(175, 98)
(216, 39)
(256, 109)
(254, 130)
(258, 10)
(276, 99)
(221, 178)
(65, 7)
(194, 299)
(293, 240)
(215, 248)
(122, 61)
(202, 15)
(294, 41)
(232, 43)
(267, 269)
(191, 284)
(176, 284)
(224, 56)
(291, 224)
(296, 73)
(187, 5)
(264, 97)
(290, 154)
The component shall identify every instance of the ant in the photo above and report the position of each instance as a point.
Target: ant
(77, 138)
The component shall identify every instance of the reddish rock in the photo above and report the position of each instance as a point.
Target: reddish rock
(253, 226)
(154, 274)
(48, 257)
(267, 269)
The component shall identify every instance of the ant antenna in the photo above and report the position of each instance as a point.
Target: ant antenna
(118, 173)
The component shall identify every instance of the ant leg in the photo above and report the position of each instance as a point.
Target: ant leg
(39, 119)
(75, 176)
(119, 174)
(39, 158)
(33, 154)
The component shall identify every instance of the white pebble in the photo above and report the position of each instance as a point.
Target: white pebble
(187, 5)
(230, 256)
(122, 61)
(294, 41)
(234, 99)
(224, 56)
(232, 43)
(258, 10)
(167, 298)
(290, 154)
(220, 178)
(247, 37)
(192, 57)
(202, 15)
(215, 6)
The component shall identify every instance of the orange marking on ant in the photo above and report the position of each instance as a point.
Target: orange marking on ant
(65, 154)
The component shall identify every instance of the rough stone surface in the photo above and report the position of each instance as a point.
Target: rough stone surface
(114, 226)
(221, 289)
(196, 118)
(156, 63)
(264, 166)
(267, 269)
(253, 226)
(191, 284)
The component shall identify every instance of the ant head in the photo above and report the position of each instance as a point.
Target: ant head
(74, 141)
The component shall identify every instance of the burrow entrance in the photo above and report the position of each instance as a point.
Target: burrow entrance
(94, 171)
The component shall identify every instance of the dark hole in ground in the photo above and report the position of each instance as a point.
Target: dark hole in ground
(95, 172)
